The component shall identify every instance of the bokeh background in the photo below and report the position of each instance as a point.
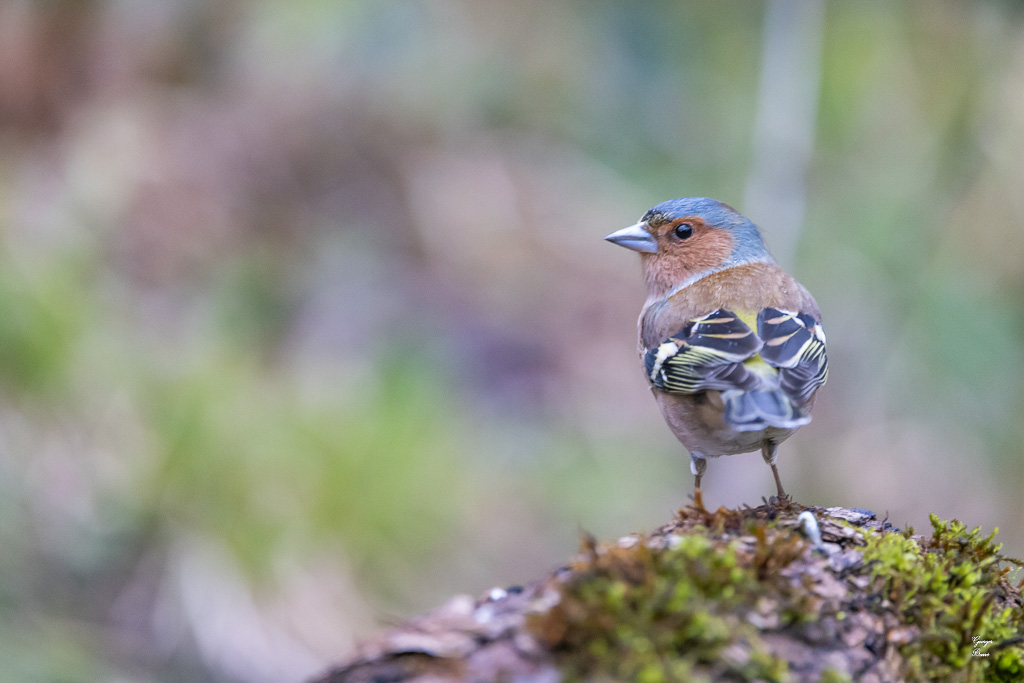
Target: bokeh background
(306, 322)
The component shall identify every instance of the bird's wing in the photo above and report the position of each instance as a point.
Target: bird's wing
(721, 352)
(707, 354)
(795, 344)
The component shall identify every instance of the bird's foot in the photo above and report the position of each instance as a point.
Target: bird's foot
(783, 500)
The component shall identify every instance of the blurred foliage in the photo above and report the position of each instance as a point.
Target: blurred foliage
(306, 322)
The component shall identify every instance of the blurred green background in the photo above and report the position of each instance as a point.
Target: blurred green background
(306, 322)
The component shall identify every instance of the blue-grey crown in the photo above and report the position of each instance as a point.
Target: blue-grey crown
(747, 242)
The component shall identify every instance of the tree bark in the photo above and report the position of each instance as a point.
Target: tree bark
(786, 593)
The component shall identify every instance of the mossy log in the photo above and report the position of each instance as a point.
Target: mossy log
(757, 594)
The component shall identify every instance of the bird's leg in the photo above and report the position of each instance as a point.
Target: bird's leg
(697, 465)
(770, 453)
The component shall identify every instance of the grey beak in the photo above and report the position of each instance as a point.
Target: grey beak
(634, 237)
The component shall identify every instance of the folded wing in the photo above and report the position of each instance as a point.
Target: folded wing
(795, 344)
(765, 377)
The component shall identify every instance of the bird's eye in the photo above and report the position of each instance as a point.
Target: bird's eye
(683, 230)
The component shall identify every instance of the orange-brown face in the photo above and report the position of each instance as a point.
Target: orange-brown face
(686, 246)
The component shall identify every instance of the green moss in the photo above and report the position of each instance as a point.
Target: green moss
(663, 615)
(833, 676)
(953, 589)
(698, 601)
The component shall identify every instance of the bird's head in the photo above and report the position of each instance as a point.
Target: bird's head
(682, 240)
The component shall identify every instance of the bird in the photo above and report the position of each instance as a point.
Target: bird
(731, 344)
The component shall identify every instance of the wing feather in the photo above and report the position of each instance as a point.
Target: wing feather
(766, 377)
(794, 343)
(707, 354)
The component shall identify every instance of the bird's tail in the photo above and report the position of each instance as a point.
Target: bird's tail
(750, 411)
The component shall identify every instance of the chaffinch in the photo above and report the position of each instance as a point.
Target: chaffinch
(732, 345)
